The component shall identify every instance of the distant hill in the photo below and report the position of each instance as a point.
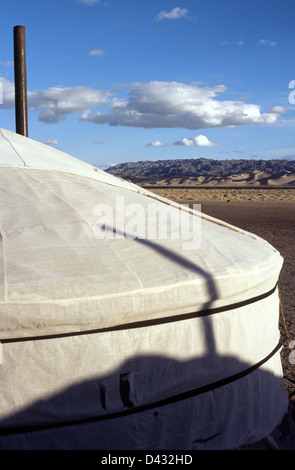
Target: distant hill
(203, 171)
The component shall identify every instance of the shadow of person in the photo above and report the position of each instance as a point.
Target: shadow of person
(151, 403)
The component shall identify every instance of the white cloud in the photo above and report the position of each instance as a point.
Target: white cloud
(56, 102)
(99, 141)
(148, 105)
(267, 42)
(172, 104)
(7, 63)
(88, 2)
(197, 141)
(157, 143)
(7, 93)
(286, 123)
(96, 52)
(228, 43)
(173, 14)
(51, 142)
(105, 166)
(278, 110)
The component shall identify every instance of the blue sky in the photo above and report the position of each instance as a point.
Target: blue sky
(112, 81)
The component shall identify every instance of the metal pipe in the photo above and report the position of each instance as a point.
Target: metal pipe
(20, 81)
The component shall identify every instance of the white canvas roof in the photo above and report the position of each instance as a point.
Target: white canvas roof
(91, 307)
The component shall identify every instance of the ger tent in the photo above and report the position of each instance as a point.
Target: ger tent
(122, 329)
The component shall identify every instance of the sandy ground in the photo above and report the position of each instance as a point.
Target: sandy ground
(204, 194)
(270, 214)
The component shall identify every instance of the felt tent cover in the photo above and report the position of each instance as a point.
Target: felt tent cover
(115, 341)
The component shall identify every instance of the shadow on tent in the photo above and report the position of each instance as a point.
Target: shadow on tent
(155, 402)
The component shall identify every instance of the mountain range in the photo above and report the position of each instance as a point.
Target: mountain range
(203, 171)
